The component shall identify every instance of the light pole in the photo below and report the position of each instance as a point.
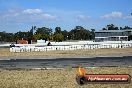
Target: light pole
(67, 37)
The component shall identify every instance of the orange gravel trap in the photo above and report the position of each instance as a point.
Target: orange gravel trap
(83, 78)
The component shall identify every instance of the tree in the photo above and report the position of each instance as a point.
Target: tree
(116, 28)
(44, 30)
(21, 35)
(9, 37)
(121, 28)
(104, 29)
(58, 30)
(65, 34)
(6, 37)
(111, 27)
(127, 27)
(43, 33)
(92, 35)
(129, 37)
(41, 36)
(37, 36)
(58, 37)
(2, 36)
(79, 33)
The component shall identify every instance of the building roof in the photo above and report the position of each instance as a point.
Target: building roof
(112, 36)
(115, 30)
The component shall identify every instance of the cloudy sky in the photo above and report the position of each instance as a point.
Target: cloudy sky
(20, 15)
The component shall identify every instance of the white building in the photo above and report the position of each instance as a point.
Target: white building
(113, 35)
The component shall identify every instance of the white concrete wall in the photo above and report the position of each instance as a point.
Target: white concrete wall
(73, 46)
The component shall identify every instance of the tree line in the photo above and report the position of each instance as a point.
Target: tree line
(44, 33)
(113, 27)
(58, 35)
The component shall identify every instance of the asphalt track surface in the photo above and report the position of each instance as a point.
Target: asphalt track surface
(125, 61)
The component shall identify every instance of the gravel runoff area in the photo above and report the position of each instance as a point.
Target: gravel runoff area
(57, 78)
(6, 54)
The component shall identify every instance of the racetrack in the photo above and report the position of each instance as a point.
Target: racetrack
(125, 61)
